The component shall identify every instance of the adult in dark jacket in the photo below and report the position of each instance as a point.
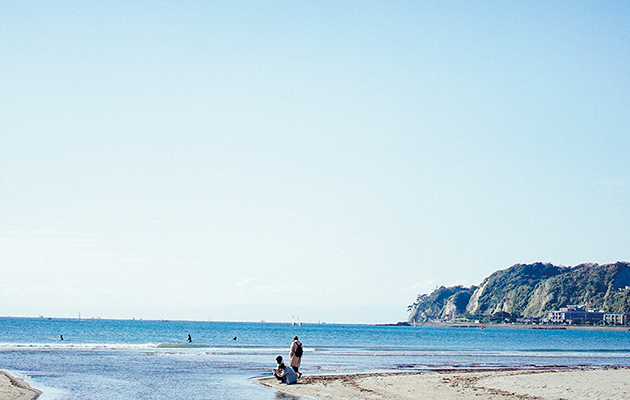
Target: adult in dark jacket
(295, 353)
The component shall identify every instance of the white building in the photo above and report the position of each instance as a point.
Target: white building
(574, 315)
(617, 319)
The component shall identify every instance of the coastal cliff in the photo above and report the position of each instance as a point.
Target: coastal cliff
(529, 290)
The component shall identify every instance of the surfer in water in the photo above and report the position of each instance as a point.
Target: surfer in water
(189, 338)
(60, 337)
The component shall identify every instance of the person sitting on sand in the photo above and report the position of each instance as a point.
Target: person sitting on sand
(285, 374)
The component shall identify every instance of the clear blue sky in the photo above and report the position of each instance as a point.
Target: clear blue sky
(258, 160)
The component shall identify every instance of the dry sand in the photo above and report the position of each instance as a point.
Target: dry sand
(546, 384)
(12, 388)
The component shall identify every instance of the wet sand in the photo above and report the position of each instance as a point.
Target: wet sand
(610, 383)
(12, 388)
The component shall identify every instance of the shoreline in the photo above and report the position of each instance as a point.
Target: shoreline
(12, 388)
(488, 325)
(540, 384)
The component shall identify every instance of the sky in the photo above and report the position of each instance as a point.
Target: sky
(263, 160)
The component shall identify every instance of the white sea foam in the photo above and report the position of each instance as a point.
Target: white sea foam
(77, 346)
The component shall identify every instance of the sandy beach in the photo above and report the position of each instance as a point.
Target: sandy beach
(12, 388)
(544, 384)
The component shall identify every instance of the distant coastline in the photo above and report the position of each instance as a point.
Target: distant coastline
(492, 325)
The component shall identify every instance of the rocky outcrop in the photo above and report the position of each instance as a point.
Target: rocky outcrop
(443, 304)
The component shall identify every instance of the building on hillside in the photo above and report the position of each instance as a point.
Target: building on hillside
(617, 319)
(574, 315)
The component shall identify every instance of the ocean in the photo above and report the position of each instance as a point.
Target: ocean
(135, 359)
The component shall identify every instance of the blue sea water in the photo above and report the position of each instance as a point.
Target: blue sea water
(135, 359)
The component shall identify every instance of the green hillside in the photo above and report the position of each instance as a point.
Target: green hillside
(529, 290)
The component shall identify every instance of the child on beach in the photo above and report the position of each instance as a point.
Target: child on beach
(285, 374)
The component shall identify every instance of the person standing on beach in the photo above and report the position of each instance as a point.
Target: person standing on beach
(295, 353)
